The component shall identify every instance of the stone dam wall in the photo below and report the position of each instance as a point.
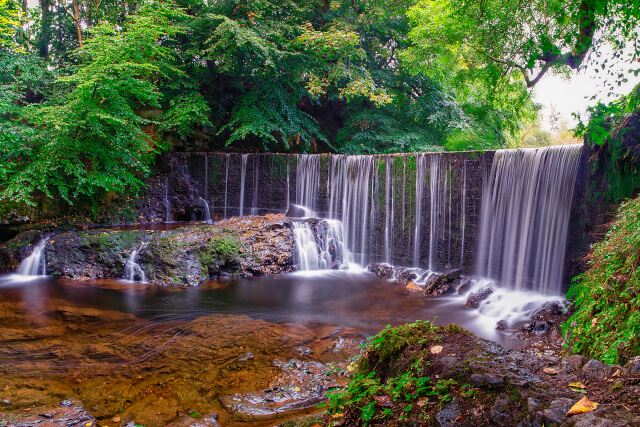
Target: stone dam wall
(418, 209)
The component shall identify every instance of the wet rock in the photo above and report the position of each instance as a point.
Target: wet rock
(594, 370)
(69, 413)
(447, 417)
(245, 357)
(557, 411)
(299, 386)
(573, 363)
(463, 284)
(210, 420)
(453, 274)
(500, 410)
(632, 368)
(383, 271)
(489, 378)
(533, 405)
(476, 298)
(405, 277)
(252, 245)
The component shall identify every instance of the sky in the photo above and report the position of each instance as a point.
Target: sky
(573, 95)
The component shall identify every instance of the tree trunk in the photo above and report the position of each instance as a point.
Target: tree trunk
(45, 32)
(76, 16)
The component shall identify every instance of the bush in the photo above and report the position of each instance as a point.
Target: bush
(606, 324)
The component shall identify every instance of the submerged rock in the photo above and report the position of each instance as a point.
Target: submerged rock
(69, 412)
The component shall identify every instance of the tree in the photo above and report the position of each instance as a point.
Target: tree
(88, 140)
(528, 37)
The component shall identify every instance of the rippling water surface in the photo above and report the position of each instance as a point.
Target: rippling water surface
(104, 339)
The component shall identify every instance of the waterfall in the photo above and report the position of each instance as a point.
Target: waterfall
(320, 246)
(254, 200)
(421, 170)
(206, 216)
(243, 175)
(308, 181)
(526, 202)
(463, 212)
(131, 267)
(288, 197)
(36, 263)
(165, 201)
(226, 184)
(350, 188)
(388, 228)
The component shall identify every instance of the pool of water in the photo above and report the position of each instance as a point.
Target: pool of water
(105, 339)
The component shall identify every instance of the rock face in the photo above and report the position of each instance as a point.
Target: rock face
(247, 246)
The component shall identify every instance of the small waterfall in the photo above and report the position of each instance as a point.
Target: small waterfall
(421, 171)
(526, 202)
(254, 200)
(440, 215)
(243, 175)
(36, 263)
(131, 267)
(388, 227)
(288, 183)
(463, 212)
(306, 254)
(308, 180)
(320, 246)
(165, 201)
(350, 189)
(206, 216)
(226, 184)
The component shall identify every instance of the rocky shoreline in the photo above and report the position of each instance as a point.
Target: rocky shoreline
(246, 246)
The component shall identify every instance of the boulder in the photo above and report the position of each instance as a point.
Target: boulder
(476, 298)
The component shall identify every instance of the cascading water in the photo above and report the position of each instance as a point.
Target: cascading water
(421, 167)
(226, 184)
(36, 263)
(206, 215)
(243, 176)
(254, 200)
(165, 201)
(320, 245)
(308, 181)
(132, 269)
(526, 202)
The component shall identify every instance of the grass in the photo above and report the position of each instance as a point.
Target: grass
(606, 324)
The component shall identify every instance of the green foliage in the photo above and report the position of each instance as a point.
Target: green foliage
(406, 385)
(606, 324)
(88, 140)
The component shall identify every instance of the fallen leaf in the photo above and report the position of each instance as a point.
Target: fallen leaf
(583, 406)
(384, 401)
(26, 409)
(577, 385)
(115, 419)
(436, 349)
(616, 374)
(422, 402)
(550, 371)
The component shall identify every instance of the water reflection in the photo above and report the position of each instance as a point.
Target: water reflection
(354, 299)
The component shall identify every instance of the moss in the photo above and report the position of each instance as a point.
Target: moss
(606, 323)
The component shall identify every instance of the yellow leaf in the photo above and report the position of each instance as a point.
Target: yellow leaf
(583, 406)
(577, 385)
(436, 349)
